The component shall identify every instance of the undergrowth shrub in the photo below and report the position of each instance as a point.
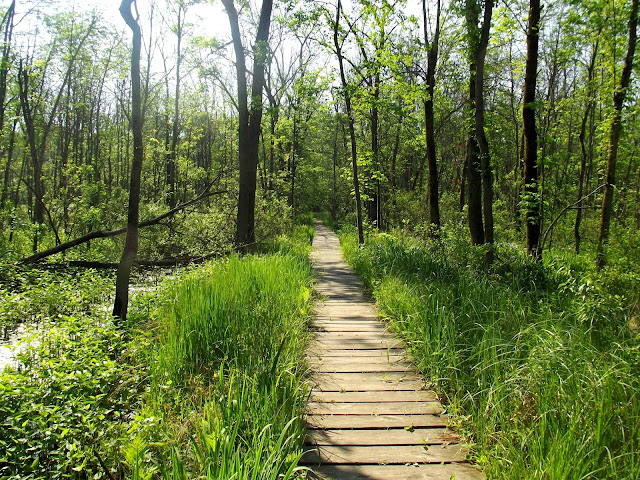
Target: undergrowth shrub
(203, 381)
(70, 400)
(537, 361)
(31, 295)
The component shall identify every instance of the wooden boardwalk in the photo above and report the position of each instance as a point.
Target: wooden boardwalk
(369, 416)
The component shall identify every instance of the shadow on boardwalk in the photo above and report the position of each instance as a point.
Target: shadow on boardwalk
(370, 416)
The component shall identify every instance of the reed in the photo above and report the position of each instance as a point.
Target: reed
(537, 361)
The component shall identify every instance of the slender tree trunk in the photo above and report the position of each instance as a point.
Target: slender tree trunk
(172, 165)
(530, 133)
(374, 202)
(7, 24)
(483, 144)
(517, 131)
(474, 170)
(351, 122)
(614, 137)
(130, 249)
(295, 151)
(432, 60)
(334, 191)
(583, 146)
(38, 184)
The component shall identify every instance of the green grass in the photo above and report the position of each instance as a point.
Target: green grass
(226, 384)
(537, 361)
(204, 382)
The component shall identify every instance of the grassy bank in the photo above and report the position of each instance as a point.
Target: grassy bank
(205, 381)
(538, 362)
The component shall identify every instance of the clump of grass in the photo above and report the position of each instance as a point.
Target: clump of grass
(537, 360)
(240, 311)
(226, 377)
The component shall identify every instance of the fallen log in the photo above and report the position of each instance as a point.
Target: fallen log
(36, 257)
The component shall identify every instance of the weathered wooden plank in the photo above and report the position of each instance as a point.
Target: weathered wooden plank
(378, 397)
(347, 317)
(385, 455)
(392, 436)
(358, 360)
(354, 320)
(348, 353)
(320, 359)
(366, 336)
(372, 408)
(376, 421)
(372, 367)
(347, 327)
(361, 344)
(348, 310)
(359, 378)
(334, 383)
(459, 471)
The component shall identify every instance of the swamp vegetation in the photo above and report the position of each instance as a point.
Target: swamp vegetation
(480, 159)
(537, 362)
(204, 380)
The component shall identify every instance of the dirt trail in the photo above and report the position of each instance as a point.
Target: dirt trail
(369, 416)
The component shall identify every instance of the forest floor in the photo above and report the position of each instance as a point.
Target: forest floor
(370, 416)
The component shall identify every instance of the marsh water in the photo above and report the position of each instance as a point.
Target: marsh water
(14, 339)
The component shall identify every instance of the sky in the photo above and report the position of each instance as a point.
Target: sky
(207, 18)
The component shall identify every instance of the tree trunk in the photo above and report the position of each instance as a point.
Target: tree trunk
(583, 146)
(474, 170)
(374, 202)
(130, 249)
(29, 123)
(530, 134)
(432, 60)
(614, 137)
(7, 25)
(352, 130)
(249, 118)
(172, 166)
(334, 191)
(483, 144)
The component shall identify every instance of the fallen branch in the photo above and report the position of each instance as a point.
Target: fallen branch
(36, 257)
(564, 210)
(164, 262)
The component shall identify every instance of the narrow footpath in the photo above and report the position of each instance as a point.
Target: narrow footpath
(369, 416)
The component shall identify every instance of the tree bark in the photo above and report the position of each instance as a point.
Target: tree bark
(7, 25)
(351, 122)
(130, 250)
(483, 144)
(530, 133)
(249, 118)
(474, 170)
(171, 164)
(432, 60)
(614, 137)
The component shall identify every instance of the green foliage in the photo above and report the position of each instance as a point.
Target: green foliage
(68, 402)
(219, 303)
(32, 295)
(539, 362)
(204, 381)
(226, 375)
